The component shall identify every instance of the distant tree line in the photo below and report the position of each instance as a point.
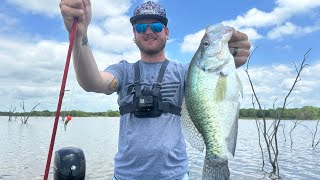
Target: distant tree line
(74, 113)
(304, 113)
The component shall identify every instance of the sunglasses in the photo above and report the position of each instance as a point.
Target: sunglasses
(155, 27)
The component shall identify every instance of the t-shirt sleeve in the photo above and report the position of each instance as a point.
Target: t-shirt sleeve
(185, 69)
(117, 70)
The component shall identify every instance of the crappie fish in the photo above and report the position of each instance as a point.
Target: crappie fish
(212, 99)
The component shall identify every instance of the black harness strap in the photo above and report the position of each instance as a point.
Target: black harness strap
(127, 108)
(163, 106)
(167, 107)
(137, 90)
(158, 84)
(137, 79)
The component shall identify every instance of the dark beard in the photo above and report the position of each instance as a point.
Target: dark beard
(151, 51)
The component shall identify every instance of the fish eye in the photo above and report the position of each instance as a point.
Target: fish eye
(206, 43)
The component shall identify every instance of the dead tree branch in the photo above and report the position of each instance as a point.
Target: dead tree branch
(11, 111)
(270, 134)
(25, 117)
(314, 142)
(295, 124)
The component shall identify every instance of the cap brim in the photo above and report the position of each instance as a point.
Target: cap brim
(162, 19)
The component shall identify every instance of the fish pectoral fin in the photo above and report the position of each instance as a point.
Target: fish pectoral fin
(221, 89)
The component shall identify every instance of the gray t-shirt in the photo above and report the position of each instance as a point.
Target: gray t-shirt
(150, 148)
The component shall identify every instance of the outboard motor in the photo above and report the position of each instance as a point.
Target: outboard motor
(69, 163)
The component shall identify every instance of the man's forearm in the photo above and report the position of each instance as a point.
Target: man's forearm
(85, 66)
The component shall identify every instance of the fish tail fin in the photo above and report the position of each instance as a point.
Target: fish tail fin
(215, 169)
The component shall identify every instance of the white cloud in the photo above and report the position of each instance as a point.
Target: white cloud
(255, 19)
(20, 57)
(274, 82)
(252, 33)
(105, 8)
(51, 7)
(277, 19)
(291, 29)
(282, 68)
(48, 7)
(280, 14)
(33, 71)
(298, 5)
(111, 41)
(118, 24)
(191, 42)
(312, 70)
(34, 67)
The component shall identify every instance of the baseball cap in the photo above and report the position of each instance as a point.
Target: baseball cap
(149, 10)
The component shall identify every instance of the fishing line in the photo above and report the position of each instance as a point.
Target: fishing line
(73, 81)
(72, 91)
(70, 105)
(62, 90)
(70, 114)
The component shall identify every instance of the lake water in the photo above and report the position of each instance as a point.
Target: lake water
(24, 150)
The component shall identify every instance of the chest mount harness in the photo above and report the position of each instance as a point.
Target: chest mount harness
(149, 103)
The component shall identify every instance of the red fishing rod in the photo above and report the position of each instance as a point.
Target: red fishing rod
(62, 89)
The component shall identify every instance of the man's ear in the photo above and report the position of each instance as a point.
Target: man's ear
(167, 33)
(134, 33)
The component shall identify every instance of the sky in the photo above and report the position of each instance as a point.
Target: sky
(34, 44)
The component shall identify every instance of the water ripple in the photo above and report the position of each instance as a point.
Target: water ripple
(24, 150)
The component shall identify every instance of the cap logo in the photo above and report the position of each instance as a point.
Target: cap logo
(148, 11)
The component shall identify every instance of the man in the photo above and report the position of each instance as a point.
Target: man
(151, 143)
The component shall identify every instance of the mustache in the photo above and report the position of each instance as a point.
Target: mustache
(150, 36)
